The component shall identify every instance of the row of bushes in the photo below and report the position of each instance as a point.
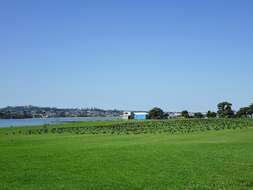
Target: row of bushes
(143, 127)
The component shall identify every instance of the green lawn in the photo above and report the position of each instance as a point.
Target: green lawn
(202, 161)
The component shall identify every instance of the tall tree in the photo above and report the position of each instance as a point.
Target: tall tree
(250, 111)
(156, 113)
(225, 110)
(185, 114)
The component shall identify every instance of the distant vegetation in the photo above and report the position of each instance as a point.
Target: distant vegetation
(172, 126)
(156, 113)
(211, 114)
(185, 114)
(224, 110)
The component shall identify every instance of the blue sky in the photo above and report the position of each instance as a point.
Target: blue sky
(129, 54)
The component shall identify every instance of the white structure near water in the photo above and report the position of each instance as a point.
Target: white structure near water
(127, 115)
(135, 115)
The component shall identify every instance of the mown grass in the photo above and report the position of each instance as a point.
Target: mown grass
(201, 161)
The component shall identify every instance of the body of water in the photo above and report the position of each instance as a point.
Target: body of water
(42, 121)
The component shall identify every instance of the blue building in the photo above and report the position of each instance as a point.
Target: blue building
(140, 115)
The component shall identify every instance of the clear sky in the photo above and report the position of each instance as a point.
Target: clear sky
(126, 54)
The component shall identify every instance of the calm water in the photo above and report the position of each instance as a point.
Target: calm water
(42, 121)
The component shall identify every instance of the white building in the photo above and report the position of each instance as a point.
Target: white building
(175, 114)
(134, 115)
(140, 115)
(127, 115)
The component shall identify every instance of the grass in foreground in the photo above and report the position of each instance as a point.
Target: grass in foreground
(211, 160)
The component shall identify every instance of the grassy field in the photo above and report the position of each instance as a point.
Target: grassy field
(119, 127)
(213, 159)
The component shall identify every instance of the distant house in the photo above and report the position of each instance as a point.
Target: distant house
(140, 115)
(191, 114)
(175, 114)
(127, 115)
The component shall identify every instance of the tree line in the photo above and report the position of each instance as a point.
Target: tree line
(224, 110)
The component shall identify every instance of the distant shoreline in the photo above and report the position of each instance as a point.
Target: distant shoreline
(27, 112)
